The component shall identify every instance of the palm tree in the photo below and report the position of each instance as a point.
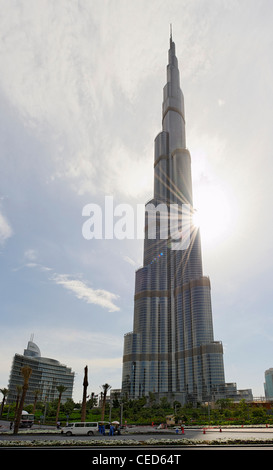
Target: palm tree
(19, 390)
(5, 391)
(105, 389)
(26, 373)
(61, 389)
(36, 394)
(85, 385)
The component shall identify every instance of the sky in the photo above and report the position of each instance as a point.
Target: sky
(80, 105)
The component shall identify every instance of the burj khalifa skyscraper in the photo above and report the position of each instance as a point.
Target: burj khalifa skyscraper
(171, 351)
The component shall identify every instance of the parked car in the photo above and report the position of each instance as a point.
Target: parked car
(26, 420)
(86, 429)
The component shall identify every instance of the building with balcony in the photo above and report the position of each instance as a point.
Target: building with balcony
(47, 374)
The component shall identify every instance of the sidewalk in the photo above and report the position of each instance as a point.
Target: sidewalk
(5, 426)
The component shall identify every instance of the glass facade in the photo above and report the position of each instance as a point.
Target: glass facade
(171, 350)
(47, 374)
(268, 385)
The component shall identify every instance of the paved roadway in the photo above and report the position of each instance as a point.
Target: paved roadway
(150, 433)
(69, 456)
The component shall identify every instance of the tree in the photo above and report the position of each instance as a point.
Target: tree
(152, 399)
(5, 391)
(105, 389)
(26, 373)
(19, 391)
(164, 403)
(36, 394)
(85, 385)
(116, 401)
(224, 403)
(61, 389)
(92, 401)
(69, 406)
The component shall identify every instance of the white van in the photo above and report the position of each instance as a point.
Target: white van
(87, 429)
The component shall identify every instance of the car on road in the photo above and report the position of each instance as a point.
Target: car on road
(86, 429)
(27, 420)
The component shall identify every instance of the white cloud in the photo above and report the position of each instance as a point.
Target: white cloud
(64, 74)
(5, 229)
(221, 102)
(129, 260)
(30, 254)
(127, 172)
(83, 292)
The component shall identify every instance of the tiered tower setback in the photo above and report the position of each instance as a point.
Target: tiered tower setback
(171, 351)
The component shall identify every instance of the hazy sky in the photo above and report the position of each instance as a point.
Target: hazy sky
(80, 105)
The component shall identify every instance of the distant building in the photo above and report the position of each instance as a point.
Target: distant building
(245, 394)
(115, 394)
(229, 390)
(47, 374)
(268, 385)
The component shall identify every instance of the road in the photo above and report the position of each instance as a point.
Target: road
(146, 434)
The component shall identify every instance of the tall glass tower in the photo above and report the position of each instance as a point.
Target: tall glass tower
(47, 374)
(171, 351)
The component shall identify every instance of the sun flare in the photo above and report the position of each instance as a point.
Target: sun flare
(213, 214)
